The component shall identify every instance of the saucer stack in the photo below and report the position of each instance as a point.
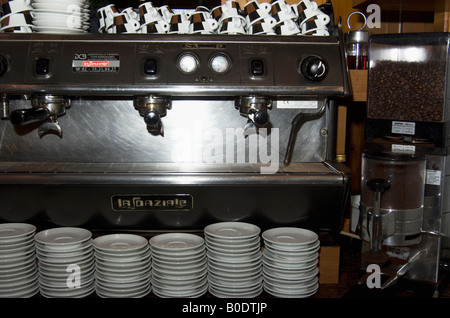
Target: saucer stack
(66, 262)
(179, 265)
(61, 17)
(290, 262)
(18, 271)
(123, 266)
(234, 259)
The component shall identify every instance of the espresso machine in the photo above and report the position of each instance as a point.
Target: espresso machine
(405, 203)
(159, 133)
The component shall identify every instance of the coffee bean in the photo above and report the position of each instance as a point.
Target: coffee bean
(410, 91)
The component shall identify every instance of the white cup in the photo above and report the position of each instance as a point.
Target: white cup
(156, 27)
(166, 12)
(148, 13)
(130, 13)
(306, 9)
(282, 11)
(179, 24)
(320, 20)
(17, 19)
(255, 11)
(15, 6)
(313, 24)
(200, 23)
(262, 26)
(232, 8)
(122, 24)
(232, 25)
(107, 13)
(287, 27)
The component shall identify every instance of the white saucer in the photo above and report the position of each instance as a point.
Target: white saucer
(63, 236)
(176, 242)
(290, 236)
(232, 230)
(15, 230)
(120, 243)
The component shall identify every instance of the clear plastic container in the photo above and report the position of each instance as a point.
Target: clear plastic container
(407, 76)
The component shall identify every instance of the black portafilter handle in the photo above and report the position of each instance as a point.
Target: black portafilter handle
(261, 118)
(378, 185)
(22, 116)
(152, 118)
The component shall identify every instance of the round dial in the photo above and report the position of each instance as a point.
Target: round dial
(188, 63)
(314, 68)
(220, 63)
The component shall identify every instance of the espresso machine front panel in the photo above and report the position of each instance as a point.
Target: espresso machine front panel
(150, 133)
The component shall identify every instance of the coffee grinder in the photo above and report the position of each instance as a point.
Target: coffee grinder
(405, 205)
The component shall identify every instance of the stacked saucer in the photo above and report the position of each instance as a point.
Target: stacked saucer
(179, 265)
(18, 271)
(234, 259)
(61, 17)
(290, 262)
(123, 266)
(66, 262)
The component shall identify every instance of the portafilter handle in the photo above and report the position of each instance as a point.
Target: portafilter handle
(378, 186)
(22, 116)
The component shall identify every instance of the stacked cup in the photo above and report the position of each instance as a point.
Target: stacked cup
(312, 20)
(259, 18)
(231, 18)
(113, 21)
(154, 20)
(202, 22)
(285, 16)
(17, 16)
(179, 23)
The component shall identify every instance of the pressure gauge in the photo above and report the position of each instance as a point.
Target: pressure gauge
(188, 63)
(220, 63)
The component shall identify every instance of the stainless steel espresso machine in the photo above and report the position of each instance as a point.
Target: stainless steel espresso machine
(166, 133)
(405, 197)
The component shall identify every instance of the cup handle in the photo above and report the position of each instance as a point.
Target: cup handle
(165, 26)
(267, 7)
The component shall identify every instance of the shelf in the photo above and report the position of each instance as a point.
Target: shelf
(406, 5)
(358, 81)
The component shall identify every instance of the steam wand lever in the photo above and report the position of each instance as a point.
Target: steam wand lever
(296, 124)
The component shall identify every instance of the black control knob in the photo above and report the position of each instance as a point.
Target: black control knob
(314, 68)
(3, 65)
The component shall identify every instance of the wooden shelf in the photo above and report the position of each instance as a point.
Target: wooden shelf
(358, 81)
(406, 5)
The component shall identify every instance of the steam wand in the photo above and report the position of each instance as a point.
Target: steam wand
(296, 124)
